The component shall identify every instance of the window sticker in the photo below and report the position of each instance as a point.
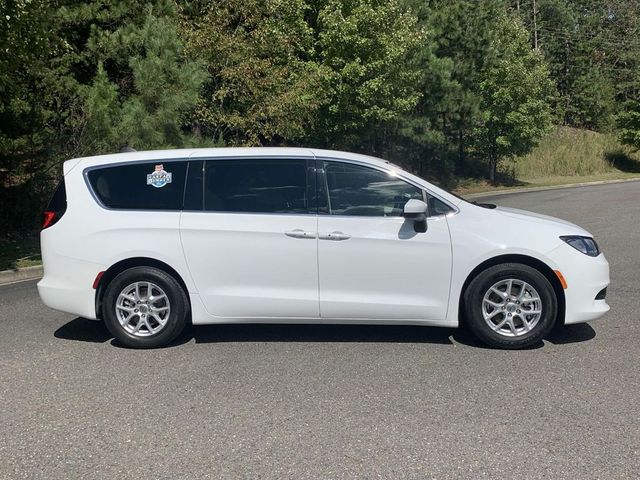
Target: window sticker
(159, 178)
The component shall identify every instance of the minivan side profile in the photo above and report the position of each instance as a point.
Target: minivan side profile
(149, 241)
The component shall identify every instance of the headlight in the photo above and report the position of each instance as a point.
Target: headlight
(586, 245)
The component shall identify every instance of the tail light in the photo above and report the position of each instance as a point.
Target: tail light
(56, 207)
(48, 219)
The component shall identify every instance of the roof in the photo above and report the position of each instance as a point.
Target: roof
(256, 152)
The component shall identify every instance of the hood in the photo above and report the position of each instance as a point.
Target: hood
(562, 225)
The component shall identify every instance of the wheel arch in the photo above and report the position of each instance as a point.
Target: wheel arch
(525, 260)
(114, 270)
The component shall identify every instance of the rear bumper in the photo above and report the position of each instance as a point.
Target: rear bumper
(586, 277)
(68, 286)
(61, 297)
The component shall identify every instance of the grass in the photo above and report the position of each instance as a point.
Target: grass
(18, 252)
(570, 152)
(480, 186)
(566, 156)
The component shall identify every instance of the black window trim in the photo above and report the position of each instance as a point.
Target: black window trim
(312, 207)
(87, 170)
(85, 173)
(49, 205)
(190, 163)
(388, 171)
(314, 160)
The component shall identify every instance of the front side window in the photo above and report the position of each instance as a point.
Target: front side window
(438, 207)
(362, 191)
(140, 186)
(256, 186)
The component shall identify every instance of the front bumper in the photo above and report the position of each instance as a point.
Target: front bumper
(586, 277)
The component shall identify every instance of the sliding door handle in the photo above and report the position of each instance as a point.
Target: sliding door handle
(334, 236)
(298, 233)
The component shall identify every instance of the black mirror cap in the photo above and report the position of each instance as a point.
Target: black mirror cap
(420, 226)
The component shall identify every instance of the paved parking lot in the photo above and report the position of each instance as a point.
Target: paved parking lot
(333, 401)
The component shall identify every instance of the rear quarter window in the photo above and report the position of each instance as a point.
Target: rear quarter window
(58, 201)
(140, 186)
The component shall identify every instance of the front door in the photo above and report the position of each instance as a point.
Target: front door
(250, 242)
(372, 264)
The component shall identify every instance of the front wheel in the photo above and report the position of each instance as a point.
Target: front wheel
(510, 306)
(145, 307)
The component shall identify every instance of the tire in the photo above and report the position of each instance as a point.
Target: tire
(127, 301)
(512, 327)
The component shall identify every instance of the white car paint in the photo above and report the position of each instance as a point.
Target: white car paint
(246, 268)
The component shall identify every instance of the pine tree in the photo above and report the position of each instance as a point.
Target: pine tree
(141, 99)
(515, 91)
(455, 49)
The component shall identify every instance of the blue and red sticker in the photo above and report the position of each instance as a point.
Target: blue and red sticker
(159, 178)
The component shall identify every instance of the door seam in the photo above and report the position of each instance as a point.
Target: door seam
(315, 167)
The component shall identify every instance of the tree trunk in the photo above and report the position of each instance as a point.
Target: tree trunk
(493, 163)
(535, 26)
(460, 161)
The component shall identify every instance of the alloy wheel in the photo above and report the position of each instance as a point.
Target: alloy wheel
(512, 307)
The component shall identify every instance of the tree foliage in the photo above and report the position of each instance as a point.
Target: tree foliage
(263, 85)
(445, 87)
(146, 107)
(364, 46)
(593, 51)
(515, 91)
(290, 70)
(629, 124)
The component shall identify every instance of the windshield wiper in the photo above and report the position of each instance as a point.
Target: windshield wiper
(490, 206)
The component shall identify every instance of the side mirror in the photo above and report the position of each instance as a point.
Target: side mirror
(416, 210)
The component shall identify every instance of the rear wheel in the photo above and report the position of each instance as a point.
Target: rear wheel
(510, 306)
(145, 307)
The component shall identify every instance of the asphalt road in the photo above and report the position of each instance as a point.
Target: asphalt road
(333, 401)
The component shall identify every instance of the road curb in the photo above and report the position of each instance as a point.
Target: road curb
(550, 187)
(21, 274)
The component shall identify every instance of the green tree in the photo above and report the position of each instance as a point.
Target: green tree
(329, 73)
(140, 83)
(455, 49)
(160, 87)
(27, 47)
(515, 91)
(263, 85)
(593, 52)
(365, 47)
(628, 123)
(36, 104)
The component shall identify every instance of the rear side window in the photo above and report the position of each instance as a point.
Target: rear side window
(140, 186)
(256, 186)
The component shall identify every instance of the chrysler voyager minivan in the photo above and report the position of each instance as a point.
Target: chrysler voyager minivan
(148, 241)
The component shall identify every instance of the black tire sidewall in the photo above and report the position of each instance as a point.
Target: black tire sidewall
(479, 286)
(177, 299)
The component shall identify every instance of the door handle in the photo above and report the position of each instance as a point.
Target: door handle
(299, 233)
(336, 236)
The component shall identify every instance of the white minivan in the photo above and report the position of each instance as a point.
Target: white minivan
(149, 241)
